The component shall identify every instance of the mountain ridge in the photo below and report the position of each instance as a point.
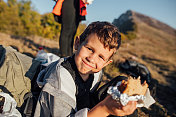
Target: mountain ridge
(136, 17)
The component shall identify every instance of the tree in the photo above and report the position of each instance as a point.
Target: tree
(51, 29)
(17, 17)
(9, 18)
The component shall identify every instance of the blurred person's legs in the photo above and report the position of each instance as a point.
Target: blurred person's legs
(70, 22)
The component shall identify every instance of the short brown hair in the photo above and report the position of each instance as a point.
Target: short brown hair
(107, 33)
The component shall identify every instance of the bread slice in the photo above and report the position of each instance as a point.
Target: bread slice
(133, 87)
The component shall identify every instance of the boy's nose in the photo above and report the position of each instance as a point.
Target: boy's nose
(92, 58)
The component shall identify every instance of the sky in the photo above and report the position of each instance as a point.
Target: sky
(108, 10)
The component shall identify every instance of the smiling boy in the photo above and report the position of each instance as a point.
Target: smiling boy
(91, 56)
(68, 83)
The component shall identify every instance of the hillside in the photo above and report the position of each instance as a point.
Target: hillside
(153, 46)
(29, 45)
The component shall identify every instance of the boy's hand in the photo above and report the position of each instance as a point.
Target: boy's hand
(115, 108)
(111, 107)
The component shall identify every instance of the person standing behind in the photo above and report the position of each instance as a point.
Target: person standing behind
(69, 13)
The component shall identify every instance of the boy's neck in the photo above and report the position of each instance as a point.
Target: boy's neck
(84, 76)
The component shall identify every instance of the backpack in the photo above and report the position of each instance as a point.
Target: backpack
(136, 69)
(31, 98)
(20, 79)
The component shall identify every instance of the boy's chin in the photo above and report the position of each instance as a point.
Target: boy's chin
(86, 72)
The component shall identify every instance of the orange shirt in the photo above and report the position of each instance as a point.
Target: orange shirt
(57, 8)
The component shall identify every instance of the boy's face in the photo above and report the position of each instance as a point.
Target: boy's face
(91, 56)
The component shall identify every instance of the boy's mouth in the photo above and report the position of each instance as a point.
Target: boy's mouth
(87, 64)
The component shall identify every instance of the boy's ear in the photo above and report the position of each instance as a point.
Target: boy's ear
(77, 43)
(108, 62)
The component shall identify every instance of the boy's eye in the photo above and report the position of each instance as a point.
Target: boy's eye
(101, 58)
(89, 49)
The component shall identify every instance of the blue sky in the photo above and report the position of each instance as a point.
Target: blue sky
(107, 10)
